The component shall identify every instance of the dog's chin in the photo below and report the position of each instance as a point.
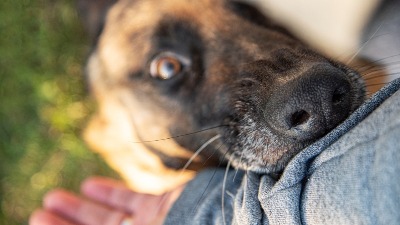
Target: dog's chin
(263, 159)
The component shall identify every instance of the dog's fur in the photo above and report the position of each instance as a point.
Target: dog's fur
(237, 78)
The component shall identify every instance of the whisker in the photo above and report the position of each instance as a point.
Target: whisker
(200, 150)
(237, 169)
(223, 192)
(209, 157)
(123, 101)
(372, 63)
(373, 69)
(178, 136)
(204, 191)
(383, 75)
(212, 177)
(373, 72)
(164, 198)
(380, 60)
(364, 44)
(342, 56)
(371, 85)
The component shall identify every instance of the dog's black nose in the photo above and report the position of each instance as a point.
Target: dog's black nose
(309, 105)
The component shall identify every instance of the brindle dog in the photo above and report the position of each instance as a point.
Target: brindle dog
(213, 77)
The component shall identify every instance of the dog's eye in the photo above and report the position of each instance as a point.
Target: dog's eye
(167, 65)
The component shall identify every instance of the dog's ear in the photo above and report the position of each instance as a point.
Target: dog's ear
(93, 13)
(250, 12)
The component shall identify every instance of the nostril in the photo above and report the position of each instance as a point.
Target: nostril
(338, 95)
(298, 118)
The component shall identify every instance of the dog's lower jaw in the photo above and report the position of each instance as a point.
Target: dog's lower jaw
(261, 157)
(142, 170)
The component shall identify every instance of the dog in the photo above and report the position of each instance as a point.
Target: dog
(182, 85)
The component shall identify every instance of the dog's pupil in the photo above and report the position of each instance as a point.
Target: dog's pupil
(168, 67)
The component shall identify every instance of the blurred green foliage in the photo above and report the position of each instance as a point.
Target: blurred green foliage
(43, 105)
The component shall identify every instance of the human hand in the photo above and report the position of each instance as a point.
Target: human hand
(104, 202)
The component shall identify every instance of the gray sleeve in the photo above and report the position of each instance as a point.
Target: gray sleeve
(201, 201)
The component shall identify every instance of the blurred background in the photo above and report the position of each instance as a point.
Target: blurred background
(43, 105)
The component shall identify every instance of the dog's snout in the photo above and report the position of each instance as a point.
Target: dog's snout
(308, 106)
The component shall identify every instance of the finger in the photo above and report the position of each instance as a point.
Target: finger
(117, 195)
(81, 211)
(101, 188)
(145, 208)
(42, 217)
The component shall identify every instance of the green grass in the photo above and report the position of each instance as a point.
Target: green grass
(43, 105)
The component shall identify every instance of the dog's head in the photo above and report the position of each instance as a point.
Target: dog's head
(170, 76)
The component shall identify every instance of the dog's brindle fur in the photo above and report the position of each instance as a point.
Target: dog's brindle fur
(162, 69)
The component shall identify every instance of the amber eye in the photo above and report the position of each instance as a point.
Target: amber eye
(167, 65)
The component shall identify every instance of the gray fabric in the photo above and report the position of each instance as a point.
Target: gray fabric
(351, 176)
(201, 201)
